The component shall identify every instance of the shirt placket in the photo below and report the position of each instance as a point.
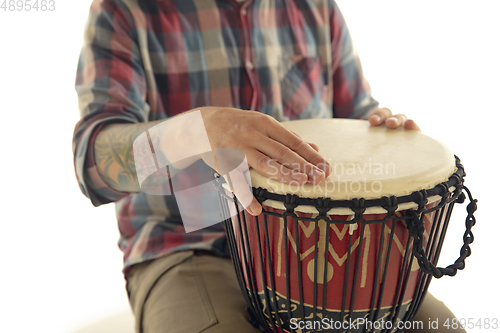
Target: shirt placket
(252, 98)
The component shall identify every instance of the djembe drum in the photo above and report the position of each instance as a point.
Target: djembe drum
(357, 252)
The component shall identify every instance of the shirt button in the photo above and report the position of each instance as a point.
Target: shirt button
(249, 65)
(243, 12)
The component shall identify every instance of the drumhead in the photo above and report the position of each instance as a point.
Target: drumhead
(368, 162)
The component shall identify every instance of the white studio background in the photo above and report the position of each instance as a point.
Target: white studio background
(436, 61)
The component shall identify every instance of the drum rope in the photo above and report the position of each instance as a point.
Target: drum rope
(416, 229)
(442, 189)
(270, 312)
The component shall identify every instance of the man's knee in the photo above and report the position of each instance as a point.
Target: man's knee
(197, 294)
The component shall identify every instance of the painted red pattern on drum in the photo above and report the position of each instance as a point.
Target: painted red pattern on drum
(338, 241)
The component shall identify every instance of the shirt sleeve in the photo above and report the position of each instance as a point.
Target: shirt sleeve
(111, 88)
(352, 96)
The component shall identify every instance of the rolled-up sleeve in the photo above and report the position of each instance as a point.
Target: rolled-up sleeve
(351, 91)
(111, 88)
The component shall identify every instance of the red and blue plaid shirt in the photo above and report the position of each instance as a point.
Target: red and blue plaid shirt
(145, 60)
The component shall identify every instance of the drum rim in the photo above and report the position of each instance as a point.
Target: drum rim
(393, 203)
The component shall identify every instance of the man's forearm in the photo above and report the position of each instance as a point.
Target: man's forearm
(114, 156)
(114, 149)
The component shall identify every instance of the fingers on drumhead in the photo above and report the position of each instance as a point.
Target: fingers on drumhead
(314, 146)
(396, 120)
(284, 174)
(276, 160)
(379, 116)
(312, 163)
(411, 125)
(287, 158)
(274, 170)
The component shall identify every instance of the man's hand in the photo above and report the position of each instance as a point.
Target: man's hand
(383, 115)
(271, 149)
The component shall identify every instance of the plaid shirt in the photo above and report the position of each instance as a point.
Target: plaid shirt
(144, 60)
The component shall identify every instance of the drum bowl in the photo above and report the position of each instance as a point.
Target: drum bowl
(328, 259)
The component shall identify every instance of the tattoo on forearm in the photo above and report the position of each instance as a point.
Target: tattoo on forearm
(114, 155)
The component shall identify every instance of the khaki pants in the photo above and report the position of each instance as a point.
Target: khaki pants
(194, 291)
(188, 292)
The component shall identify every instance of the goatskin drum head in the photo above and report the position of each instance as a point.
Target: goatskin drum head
(368, 162)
